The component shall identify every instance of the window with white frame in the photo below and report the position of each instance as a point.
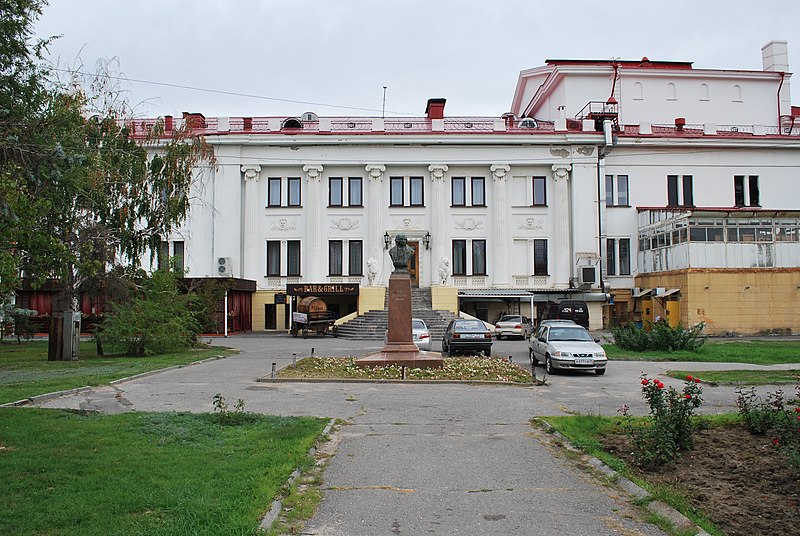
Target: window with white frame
(459, 257)
(539, 191)
(680, 191)
(468, 191)
(355, 257)
(355, 196)
(745, 191)
(275, 188)
(617, 191)
(273, 258)
(293, 258)
(618, 256)
(337, 190)
(335, 196)
(469, 257)
(335, 265)
(479, 257)
(540, 256)
(399, 186)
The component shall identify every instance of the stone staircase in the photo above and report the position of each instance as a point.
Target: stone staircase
(372, 325)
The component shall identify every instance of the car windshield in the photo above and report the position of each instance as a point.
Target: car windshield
(469, 325)
(569, 334)
(418, 324)
(511, 319)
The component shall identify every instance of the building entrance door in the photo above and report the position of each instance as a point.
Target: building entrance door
(413, 265)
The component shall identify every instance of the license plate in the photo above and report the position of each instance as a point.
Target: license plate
(584, 361)
(472, 336)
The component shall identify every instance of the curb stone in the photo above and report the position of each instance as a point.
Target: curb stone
(277, 505)
(659, 508)
(86, 388)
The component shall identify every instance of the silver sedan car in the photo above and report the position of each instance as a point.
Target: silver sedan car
(419, 334)
(566, 347)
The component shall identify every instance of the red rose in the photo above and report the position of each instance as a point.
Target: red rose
(775, 441)
(797, 410)
(689, 378)
(697, 380)
(688, 397)
(645, 382)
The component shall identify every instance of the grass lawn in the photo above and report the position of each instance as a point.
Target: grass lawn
(744, 377)
(464, 368)
(144, 473)
(755, 352)
(25, 370)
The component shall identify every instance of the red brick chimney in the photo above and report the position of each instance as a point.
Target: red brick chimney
(435, 108)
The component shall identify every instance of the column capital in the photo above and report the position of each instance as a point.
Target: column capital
(437, 171)
(313, 171)
(251, 171)
(562, 170)
(375, 171)
(499, 171)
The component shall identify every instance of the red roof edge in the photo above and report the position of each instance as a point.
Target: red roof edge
(644, 63)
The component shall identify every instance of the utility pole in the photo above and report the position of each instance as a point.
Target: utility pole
(383, 108)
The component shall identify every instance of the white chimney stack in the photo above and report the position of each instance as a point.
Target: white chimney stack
(775, 58)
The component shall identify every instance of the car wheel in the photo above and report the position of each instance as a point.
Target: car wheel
(600, 371)
(532, 357)
(548, 366)
(487, 352)
(499, 337)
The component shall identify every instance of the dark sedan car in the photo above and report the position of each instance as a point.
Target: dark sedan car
(467, 336)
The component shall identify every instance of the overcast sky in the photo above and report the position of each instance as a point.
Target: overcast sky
(336, 55)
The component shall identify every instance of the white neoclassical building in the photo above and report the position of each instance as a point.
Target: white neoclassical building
(644, 188)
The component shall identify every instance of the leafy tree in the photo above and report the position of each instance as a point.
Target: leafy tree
(155, 320)
(79, 190)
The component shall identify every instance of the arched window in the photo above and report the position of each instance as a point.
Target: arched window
(638, 91)
(672, 92)
(705, 95)
(737, 93)
(292, 122)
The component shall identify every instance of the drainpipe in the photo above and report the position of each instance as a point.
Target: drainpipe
(783, 75)
(225, 313)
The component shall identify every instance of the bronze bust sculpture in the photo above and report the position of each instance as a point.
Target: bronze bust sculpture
(401, 254)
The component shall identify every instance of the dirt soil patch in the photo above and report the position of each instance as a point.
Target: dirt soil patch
(737, 478)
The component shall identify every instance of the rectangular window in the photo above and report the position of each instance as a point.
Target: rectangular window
(273, 257)
(163, 256)
(478, 192)
(622, 191)
(459, 257)
(539, 191)
(177, 253)
(354, 197)
(624, 256)
(738, 191)
(293, 258)
(459, 193)
(672, 190)
(335, 192)
(417, 192)
(479, 257)
(396, 191)
(611, 256)
(754, 196)
(294, 191)
(609, 190)
(335, 257)
(688, 195)
(540, 256)
(355, 257)
(274, 192)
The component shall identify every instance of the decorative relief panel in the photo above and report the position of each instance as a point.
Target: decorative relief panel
(406, 224)
(345, 224)
(468, 224)
(283, 224)
(531, 224)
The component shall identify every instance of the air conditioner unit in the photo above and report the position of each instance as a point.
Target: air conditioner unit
(588, 276)
(224, 267)
(527, 123)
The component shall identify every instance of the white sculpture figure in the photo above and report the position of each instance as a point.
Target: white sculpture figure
(372, 270)
(444, 270)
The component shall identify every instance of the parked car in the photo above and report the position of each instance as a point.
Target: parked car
(574, 310)
(562, 346)
(420, 334)
(464, 335)
(513, 326)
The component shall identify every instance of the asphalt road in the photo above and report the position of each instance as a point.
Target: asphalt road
(423, 459)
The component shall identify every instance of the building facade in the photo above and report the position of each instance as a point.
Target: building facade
(647, 189)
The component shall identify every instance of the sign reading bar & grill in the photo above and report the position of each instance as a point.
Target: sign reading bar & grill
(322, 289)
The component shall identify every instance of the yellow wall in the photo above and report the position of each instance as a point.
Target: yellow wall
(261, 298)
(445, 299)
(371, 299)
(737, 301)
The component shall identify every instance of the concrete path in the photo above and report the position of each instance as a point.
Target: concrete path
(423, 459)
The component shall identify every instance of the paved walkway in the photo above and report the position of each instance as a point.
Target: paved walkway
(422, 459)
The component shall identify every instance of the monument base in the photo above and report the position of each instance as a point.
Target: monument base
(401, 354)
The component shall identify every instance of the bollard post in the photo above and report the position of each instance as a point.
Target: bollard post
(312, 351)
(273, 370)
(403, 372)
(509, 359)
(294, 359)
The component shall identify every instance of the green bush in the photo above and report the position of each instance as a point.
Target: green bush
(659, 439)
(660, 337)
(155, 321)
(772, 416)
